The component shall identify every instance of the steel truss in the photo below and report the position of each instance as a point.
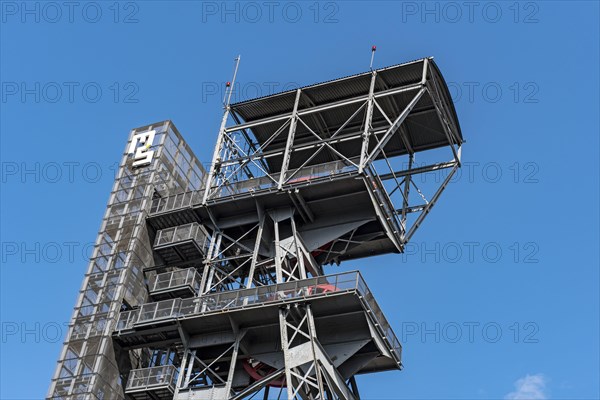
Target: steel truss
(310, 373)
(232, 265)
(239, 159)
(239, 314)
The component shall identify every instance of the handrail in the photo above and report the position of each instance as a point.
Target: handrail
(174, 279)
(307, 173)
(152, 377)
(270, 181)
(245, 298)
(180, 233)
(388, 207)
(175, 201)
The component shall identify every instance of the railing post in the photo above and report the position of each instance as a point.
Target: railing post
(172, 278)
(147, 381)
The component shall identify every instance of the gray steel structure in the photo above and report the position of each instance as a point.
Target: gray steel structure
(211, 285)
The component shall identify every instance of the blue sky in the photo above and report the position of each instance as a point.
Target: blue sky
(498, 294)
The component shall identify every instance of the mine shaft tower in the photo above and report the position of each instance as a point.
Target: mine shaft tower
(211, 284)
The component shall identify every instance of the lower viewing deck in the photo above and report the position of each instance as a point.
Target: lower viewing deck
(349, 323)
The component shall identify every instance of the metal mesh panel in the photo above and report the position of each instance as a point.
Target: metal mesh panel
(87, 366)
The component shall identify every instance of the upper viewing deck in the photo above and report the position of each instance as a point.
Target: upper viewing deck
(328, 107)
(341, 153)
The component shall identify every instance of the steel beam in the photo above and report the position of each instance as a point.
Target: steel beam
(217, 152)
(290, 141)
(392, 129)
(430, 205)
(368, 118)
(325, 107)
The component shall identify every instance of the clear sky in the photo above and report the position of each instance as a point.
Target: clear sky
(498, 294)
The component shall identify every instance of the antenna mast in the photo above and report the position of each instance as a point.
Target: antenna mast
(230, 85)
(373, 50)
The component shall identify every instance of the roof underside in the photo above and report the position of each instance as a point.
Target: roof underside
(422, 126)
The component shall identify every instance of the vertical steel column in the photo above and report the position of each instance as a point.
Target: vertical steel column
(188, 374)
(299, 252)
(285, 348)
(312, 331)
(310, 373)
(368, 117)
(181, 369)
(407, 180)
(261, 225)
(278, 271)
(290, 141)
(301, 367)
(234, 354)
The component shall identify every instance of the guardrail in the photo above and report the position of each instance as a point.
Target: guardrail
(271, 181)
(384, 200)
(174, 279)
(176, 201)
(381, 322)
(180, 233)
(228, 300)
(144, 379)
(305, 174)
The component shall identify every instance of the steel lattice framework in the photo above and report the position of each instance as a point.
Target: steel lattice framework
(211, 285)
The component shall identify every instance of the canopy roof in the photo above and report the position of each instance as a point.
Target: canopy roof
(325, 107)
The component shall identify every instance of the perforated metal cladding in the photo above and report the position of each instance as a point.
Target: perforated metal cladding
(88, 366)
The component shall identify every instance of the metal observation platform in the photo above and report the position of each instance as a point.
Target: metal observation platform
(212, 284)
